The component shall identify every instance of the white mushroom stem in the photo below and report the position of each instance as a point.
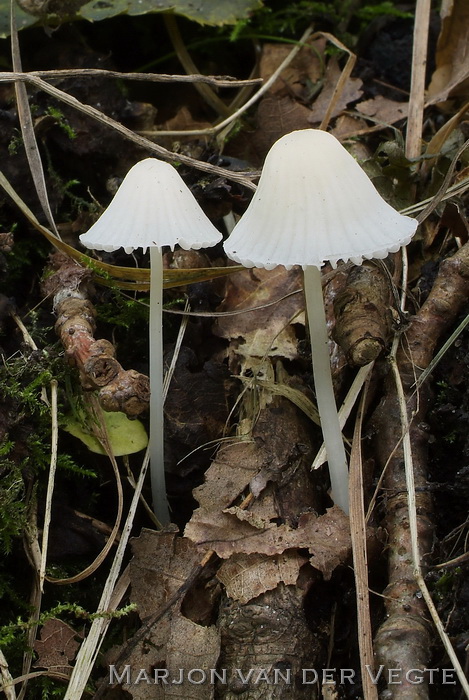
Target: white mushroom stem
(327, 407)
(158, 482)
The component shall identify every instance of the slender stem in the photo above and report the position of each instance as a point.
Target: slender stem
(158, 483)
(324, 388)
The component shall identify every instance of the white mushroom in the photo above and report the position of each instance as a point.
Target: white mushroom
(315, 204)
(153, 208)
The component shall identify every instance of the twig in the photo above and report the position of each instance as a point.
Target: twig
(266, 86)
(7, 681)
(90, 648)
(210, 97)
(360, 562)
(164, 153)
(216, 81)
(50, 482)
(344, 76)
(27, 127)
(417, 85)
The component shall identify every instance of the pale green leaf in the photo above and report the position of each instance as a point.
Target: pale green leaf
(125, 436)
(213, 12)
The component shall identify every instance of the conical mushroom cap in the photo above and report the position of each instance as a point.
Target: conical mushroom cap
(315, 204)
(152, 207)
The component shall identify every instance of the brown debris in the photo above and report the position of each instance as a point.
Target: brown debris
(245, 576)
(363, 315)
(267, 641)
(162, 562)
(56, 647)
(351, 93)
(6, 242)
(268, 330)
(118, 389)
(404, 640)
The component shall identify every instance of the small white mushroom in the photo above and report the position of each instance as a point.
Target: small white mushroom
(315, 204)
(153, 208)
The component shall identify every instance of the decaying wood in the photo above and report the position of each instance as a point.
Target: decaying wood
(405, 639)
(117, 389)
(363, 315)
(268, 641)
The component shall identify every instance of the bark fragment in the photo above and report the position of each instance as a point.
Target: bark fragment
(266, 642)
(363, 314)
(118, 389)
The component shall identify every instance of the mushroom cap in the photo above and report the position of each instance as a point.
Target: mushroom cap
(314, 204)
(152, 207)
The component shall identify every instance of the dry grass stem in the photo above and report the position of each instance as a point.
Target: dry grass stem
(360, 561)
(417, 86)
(27, 128)
(89, 650)
(215, 81)
(50, 482)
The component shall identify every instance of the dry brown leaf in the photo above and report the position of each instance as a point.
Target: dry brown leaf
(246, 576)
(267, 331)
(57, 646)
(347, 126)
(451, 76)
(305, 69)
(326, 537)
(161, 563)
(383, 110)
(162, 665)
(182, 121)
(229, 474)
(191, 646)
(277, 116)
(351, 93)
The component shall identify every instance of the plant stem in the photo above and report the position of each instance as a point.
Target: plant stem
(324, 388)
(158, 483)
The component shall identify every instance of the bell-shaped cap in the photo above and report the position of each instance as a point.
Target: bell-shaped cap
(152, 207)
(315, 204)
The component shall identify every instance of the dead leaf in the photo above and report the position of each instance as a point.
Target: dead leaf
(347, 126)
(183, 121)
(57, 646)
(451, 76)
(161, 563)
(277, 116)
(326, 537)
(304, 71)
(267, 331)
(246, 576)
(383, 110)
(229, 474)
(350, 93)
(191, 646)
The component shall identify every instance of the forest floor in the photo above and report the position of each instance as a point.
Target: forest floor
(261, 587)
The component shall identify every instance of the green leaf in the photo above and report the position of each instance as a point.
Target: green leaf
(23, 19)
(213, 12)
(125, 436)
